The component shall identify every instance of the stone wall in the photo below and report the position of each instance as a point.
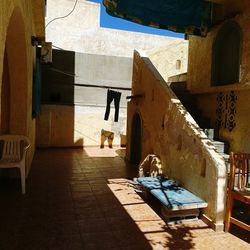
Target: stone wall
(170, 132)
(200, 71)
(17, 25)
(170, 60)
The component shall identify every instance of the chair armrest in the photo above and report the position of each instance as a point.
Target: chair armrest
(25, 149)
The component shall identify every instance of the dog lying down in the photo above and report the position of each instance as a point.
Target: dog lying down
(151, 166)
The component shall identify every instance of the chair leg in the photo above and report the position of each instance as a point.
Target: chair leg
(22, 171)
(228, 212)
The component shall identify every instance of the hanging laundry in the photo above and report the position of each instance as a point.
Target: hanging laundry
(116, 96)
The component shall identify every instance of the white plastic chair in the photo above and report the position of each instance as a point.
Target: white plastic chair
(14, 153)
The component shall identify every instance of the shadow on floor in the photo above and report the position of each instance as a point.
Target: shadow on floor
(78, 200)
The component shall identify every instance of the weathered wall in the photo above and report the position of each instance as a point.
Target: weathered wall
(70, 68)
(170, 60)
(85, 35)
(78, 78)
(200, 71)
(172, 134)
(77, 126)
(85, 114)
(101, 57)
(16, 70)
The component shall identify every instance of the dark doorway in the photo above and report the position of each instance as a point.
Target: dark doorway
(226, 55)
(135, 153)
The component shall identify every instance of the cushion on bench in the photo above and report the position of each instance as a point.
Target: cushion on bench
(155, 182)
(170, 194)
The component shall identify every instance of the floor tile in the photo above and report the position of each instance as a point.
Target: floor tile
(82, 199)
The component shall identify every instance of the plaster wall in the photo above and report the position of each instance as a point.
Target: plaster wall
(170, 60)
(78, 78)
(87, 104)
(171, 133)
(77, 126)
(69, 88)
(102, 57)
(103, 70)
(17, 25)
(200, 71)
(85, 35)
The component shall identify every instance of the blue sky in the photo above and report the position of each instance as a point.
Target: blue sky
(118, 23)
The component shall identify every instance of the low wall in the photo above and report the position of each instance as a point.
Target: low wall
(77, 126)
(170, 132)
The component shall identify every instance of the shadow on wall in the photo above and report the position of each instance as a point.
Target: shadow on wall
(55, 125)
(136, 131)
(58, 78)
(74, 98)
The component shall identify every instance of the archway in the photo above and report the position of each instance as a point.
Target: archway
(136, 132)
(226, 55)
(5, 97)
(14, 89)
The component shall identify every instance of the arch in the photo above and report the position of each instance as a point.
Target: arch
(136, 134)
(15, 78)
(5, 97)
(227, 55)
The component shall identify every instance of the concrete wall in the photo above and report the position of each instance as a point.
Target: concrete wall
(85, 35)
(88, 103)
(171, 133)
(77, 126)
(97, 56)
(74, 85)
(17, 25)
(78, 78)
(200, 71)
(103, 70)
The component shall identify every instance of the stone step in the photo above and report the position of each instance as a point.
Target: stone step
(209, 133)
(225, 156)
(227, 161)
(221, 147)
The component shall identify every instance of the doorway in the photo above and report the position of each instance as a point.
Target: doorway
(227, 55)
(136, 132)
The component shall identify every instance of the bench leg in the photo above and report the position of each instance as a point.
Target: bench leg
(179, 215)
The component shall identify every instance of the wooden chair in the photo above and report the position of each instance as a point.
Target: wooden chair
(238, 187)
(14, 148)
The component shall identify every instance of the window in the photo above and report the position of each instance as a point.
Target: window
(178, 64)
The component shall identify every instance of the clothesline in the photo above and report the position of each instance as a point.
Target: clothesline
(101, 86)
(88, 85)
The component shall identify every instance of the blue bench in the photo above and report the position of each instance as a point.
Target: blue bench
(176, 200)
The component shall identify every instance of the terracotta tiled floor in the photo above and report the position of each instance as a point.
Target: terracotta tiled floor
(80, 199)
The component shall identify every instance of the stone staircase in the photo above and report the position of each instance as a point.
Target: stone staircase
(189, 102)
(221, 147)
